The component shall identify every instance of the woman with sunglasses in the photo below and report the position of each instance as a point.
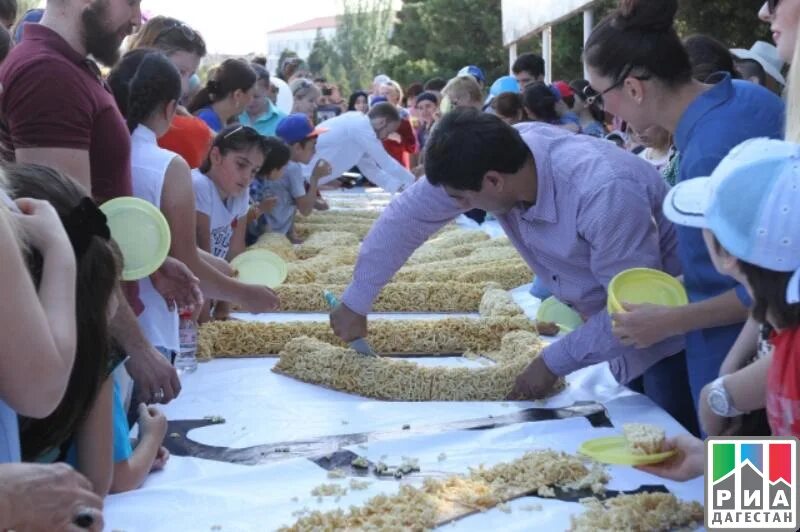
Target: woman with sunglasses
(188, 136)
(639, 69)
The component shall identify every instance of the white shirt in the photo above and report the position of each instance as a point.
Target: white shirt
(223, 214)
(149, 165)
(351, 141)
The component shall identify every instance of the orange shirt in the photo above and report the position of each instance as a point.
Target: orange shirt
(190, 138)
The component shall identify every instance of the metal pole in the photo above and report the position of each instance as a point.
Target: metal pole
(512, 56)
(547, 53)
(588, 25)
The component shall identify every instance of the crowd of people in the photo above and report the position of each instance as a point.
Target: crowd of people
(677, 155)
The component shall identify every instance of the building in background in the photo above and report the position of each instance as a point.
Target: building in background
(298, 38)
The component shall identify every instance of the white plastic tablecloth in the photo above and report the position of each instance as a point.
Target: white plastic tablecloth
(261, 407)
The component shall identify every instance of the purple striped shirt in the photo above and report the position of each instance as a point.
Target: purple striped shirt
(597, 212)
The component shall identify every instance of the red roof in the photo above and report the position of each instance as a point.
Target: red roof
(313, 24)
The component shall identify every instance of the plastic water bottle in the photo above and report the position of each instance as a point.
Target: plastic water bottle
(186, 361)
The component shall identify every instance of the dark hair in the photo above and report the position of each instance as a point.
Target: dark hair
(750, 68)
(351, 102)
(8, 10)
(578, 86)
(412, 91)
(5, 43)
(466, 144)
(530, 63)
(262, 74)
(708, 56)
(278, 155)
(540, 102)
(384, 110)
(142, 82)
(260, 60)
(435, 84)
(169, 35)
(769, 293)
(508, 105)
(235, 138)
(640, 34)
(227, 78)
(98, 272)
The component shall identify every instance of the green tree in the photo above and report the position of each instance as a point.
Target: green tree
(734, 22)
(438, 37)
(362, 39)
(322, 54)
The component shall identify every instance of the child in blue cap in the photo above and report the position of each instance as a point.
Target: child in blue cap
(749, 211)
(297, 131)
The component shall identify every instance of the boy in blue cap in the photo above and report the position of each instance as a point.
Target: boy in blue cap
(749, 211)
(297, 131)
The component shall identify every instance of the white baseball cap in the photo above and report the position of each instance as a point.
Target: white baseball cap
(751, 202)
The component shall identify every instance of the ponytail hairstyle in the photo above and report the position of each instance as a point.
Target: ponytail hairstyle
(236, 138)
(708, 56)
(540, 102)
(230, 76)
(98, 263)
(579, 88)
(169, 35)
(143, 82)
(640, 36)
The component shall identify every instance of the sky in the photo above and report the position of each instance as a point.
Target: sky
(240, 26)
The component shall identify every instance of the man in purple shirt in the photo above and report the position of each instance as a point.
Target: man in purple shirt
(579, 210)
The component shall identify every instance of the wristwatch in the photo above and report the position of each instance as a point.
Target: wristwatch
(719, 400)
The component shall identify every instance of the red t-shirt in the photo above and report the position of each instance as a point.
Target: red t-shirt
(190, 138)
(407, 145)
(53, 97)
(783, 384)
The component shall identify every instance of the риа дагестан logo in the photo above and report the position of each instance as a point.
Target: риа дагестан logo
(751, 483)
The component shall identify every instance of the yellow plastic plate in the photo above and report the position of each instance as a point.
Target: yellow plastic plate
(644, 285)
(555, 311)
(260, 266)
(614, 450)
(141, 232)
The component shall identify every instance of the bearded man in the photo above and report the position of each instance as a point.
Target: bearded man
(56, 111)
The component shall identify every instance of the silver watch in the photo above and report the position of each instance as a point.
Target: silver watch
(719, 400)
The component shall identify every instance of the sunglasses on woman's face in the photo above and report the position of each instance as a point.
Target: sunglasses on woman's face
(772, 6)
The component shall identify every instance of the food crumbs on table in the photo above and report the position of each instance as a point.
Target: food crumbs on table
(360, 462)
(359, 485)
(337, 473)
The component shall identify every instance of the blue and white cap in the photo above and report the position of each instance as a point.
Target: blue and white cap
(751, 202)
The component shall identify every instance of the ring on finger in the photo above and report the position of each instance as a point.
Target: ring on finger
(159, 396)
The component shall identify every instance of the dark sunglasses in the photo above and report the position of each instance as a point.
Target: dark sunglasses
(187, 31)
(596, 98)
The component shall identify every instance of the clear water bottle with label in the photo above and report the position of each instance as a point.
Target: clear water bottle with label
(186, 360)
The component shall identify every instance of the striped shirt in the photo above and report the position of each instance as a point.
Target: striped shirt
(597, 213)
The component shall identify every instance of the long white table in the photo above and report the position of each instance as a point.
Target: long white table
(261, 408)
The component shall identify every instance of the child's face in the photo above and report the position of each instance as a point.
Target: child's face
(234, 171)
(361, 104)
(426, 109)
(724, 262)
(304, 154)
(258, 105)
(276, 173)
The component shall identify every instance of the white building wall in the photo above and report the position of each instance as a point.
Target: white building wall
(300, 42)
